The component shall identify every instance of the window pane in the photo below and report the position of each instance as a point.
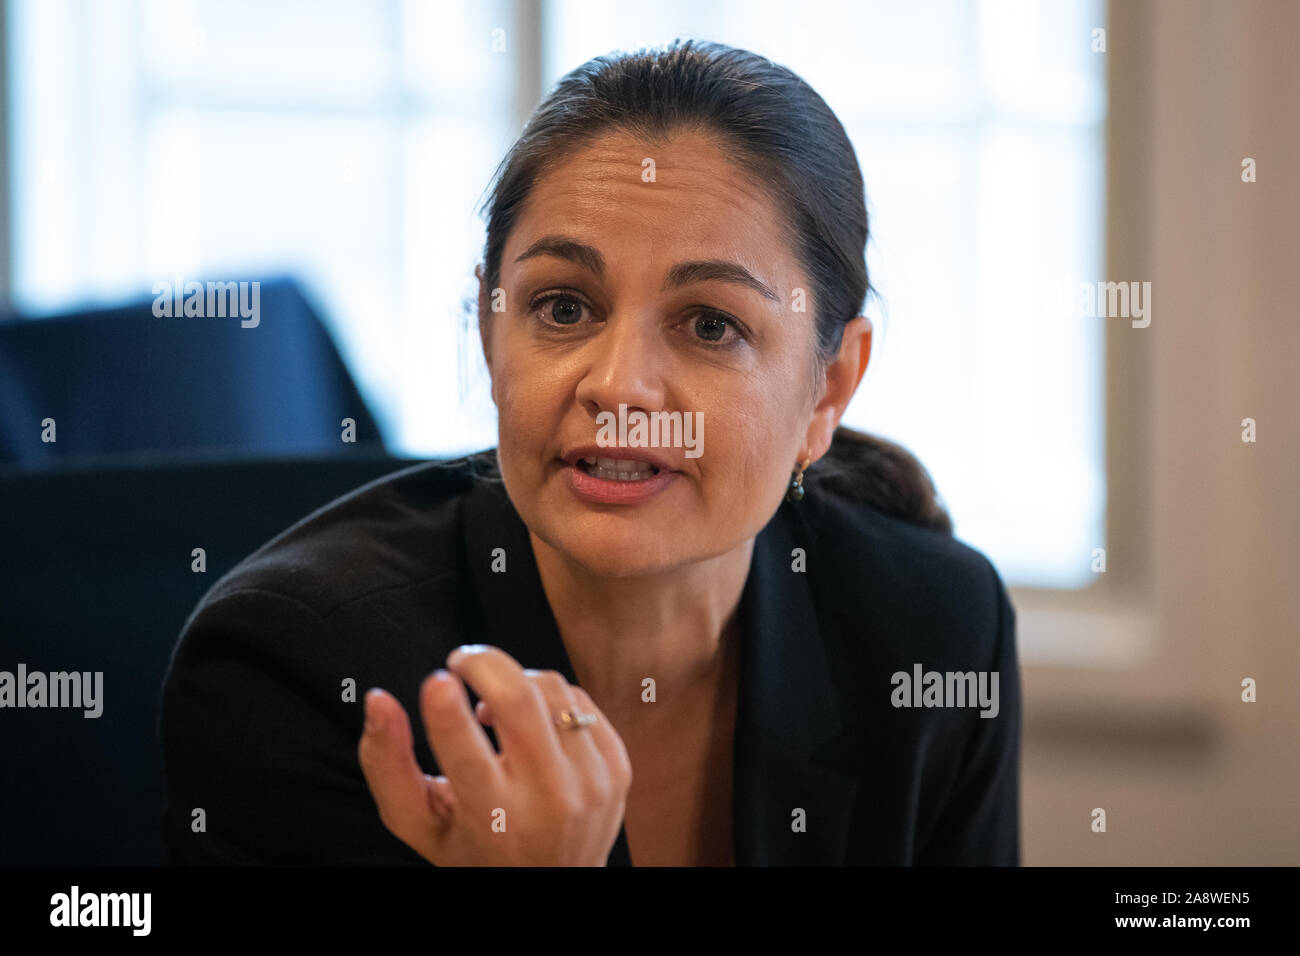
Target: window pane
(345, 142)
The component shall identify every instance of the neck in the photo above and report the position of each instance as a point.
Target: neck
(675, 627)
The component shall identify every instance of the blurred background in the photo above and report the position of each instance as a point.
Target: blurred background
(336, 152)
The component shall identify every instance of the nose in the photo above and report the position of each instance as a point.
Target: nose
(625, 366)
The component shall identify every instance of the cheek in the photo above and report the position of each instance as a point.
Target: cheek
(756, 435)
(525, 401)
(766, 467)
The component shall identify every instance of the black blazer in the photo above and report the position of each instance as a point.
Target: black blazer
(376, 588)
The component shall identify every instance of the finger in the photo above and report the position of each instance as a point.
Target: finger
(442, 796)
(519, 714)
(577, 742)
(483, 710)
(606, 740)
(460, 746)
(395, 780)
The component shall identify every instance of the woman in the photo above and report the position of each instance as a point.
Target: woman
(681, 654)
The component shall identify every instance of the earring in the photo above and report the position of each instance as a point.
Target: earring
(795, 491)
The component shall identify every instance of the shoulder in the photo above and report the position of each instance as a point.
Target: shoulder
(921, 589)
(261, 706)
(920, 634)
(397, 530)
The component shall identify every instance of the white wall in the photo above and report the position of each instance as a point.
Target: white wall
(1187, 773)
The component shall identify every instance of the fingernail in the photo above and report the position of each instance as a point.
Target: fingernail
(460, 653)
(372, 719)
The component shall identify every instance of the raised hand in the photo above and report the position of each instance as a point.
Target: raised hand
(553, 796)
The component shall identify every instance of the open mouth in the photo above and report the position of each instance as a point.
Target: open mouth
(617, 469)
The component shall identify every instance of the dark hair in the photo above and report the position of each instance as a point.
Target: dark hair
(779, 129)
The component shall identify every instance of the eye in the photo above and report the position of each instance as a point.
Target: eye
(560, 309)
(711, 328)
(565, 309)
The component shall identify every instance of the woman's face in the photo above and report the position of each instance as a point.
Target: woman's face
(621, 323)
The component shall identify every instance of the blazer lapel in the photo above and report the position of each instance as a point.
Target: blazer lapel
(512, 611)
(788, 725)
(787, 722)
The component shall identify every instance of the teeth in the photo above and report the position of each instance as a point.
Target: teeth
(619, 469)
(622, 464)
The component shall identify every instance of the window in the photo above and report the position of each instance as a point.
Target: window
(349, 143)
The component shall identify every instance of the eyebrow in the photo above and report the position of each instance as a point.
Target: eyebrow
(683, 273)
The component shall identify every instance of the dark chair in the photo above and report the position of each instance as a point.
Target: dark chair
(125, 380)
(95, 575)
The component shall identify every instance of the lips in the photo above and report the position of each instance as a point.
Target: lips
(609, 476)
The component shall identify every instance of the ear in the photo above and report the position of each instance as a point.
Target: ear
(485, 325)
(843, 376)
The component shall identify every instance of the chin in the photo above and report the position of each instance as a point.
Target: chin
(602, 547)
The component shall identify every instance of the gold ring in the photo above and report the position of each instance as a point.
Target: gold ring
(573, 720)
